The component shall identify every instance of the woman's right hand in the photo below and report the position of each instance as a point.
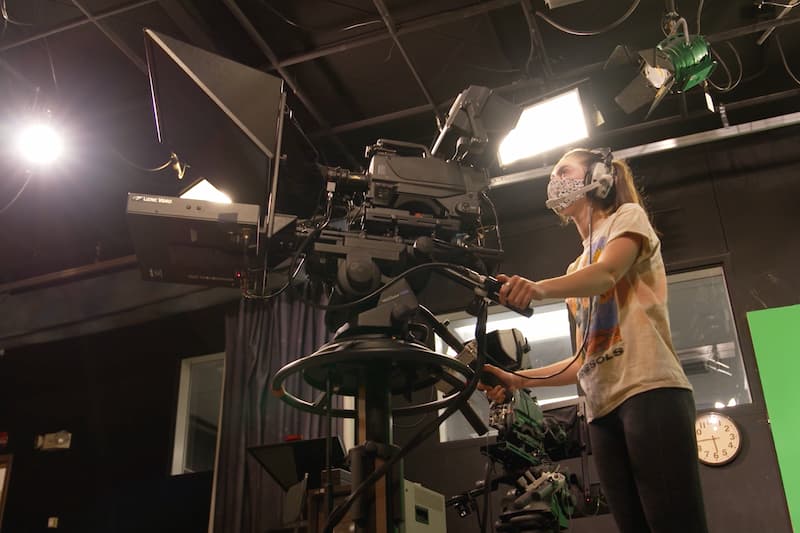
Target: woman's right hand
(502, 392)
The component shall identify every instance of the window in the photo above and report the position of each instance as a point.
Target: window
(199, 398)
(703, 333)
(548, 335)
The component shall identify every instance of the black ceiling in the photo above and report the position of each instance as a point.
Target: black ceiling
(83, 60)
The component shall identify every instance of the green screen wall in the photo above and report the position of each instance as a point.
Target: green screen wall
(774, 333)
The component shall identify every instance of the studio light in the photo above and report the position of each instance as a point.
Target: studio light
(677, 64)
(555, 122)
(203, 190)
(40, 144)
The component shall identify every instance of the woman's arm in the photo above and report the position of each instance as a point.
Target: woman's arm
(614, 262)
(511, 382)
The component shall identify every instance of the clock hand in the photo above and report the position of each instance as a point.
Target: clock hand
(714, 440)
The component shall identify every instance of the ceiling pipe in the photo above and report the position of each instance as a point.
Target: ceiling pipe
(262, 45)
(77, 24)
(70, 274)
(665, 145)
(536, 39)
(383, 11)
(114, 38)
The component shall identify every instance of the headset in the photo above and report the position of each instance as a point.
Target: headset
(599, 178)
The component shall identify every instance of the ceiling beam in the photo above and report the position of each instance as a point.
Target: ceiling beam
(76, 24)
(751, 28)
(571, 74)
(112, 36)
(262, 45)
(383, 11)
(188, 24)
(537, 44)
(424, 23)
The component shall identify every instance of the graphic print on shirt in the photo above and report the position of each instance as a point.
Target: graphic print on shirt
(604, 330)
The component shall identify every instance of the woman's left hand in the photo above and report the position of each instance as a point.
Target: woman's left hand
(518, 291)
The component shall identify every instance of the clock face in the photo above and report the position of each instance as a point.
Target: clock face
(718, 438)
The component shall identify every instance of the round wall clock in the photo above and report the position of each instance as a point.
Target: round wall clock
(718, 438)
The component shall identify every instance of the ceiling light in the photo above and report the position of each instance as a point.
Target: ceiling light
(40, 144)
(555, 122)
(203, 190)
(677, 64)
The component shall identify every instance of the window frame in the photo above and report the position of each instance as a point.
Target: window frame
(686, 273)
(181, 436)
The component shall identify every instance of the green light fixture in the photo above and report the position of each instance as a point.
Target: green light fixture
(677, 64)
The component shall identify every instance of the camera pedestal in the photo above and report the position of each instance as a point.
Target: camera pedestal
(373, 365)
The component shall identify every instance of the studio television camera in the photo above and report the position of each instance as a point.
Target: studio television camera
(358, 244)
(295, 219)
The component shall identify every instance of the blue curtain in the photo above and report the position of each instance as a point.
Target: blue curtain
(260, 339)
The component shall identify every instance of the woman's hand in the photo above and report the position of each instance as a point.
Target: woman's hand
(499, 393)
(518, 291)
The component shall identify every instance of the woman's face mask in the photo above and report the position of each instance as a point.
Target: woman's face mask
(567, 177)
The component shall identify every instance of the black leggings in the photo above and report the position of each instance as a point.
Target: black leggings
(646, 455)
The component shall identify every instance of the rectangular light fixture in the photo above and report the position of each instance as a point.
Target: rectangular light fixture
(549, 124)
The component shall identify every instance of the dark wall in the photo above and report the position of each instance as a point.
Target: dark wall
(728, 204)
(731, 204)
(116, 392)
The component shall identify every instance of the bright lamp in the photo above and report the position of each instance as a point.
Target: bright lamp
(203, 190)
(554, 122)
(40, 144)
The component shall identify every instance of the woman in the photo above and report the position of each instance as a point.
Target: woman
(639, 403)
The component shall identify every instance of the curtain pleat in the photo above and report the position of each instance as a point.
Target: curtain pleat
(260, 339)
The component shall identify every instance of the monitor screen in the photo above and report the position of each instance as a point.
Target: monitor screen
(288, 462)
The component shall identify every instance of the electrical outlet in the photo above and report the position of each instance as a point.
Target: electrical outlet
(60, 440)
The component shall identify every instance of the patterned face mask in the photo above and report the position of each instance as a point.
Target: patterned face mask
(561, 186)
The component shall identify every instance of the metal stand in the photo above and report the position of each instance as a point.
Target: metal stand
(373, 366)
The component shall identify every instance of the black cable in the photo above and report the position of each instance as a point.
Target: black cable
(584, 33)
(496, 220)
(293, 271)
(480, 336)
(14, 199)
(699, 14)
(588, 322)
(173, 162)
(486, 482)
(392, 281)
(421, 418)
(8, 19)
(52, 64)
(299, 26)
(731, 84)
(783, 58)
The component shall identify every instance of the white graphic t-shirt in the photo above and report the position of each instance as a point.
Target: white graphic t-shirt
(628, 347)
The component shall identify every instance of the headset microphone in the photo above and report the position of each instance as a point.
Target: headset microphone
(599, 180)
(602, 186)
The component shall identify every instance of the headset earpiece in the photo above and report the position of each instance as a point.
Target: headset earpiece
(601, 172)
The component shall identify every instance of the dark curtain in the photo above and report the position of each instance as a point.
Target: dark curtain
(261, 338)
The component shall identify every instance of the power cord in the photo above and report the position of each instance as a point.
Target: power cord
(584, 33)
(19, 192)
